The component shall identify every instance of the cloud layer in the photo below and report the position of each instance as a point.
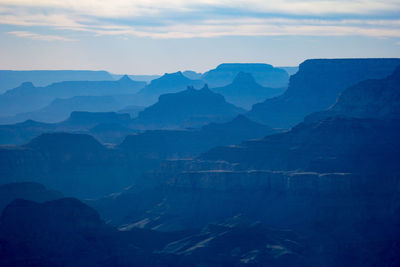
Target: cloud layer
(203, 18)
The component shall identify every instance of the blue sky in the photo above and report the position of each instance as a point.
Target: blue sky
(153, 36)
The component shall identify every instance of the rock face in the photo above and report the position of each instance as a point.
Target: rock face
(316, 86)
(368, 99)
(168, 83)
(25, 190)
(10, 79)
(27, 97)
(264, 74)
(189, 108)
(244, 91)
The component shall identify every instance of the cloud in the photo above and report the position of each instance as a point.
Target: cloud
(41, 37)
(208, 18)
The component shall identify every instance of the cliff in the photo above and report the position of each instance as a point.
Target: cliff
(316, 86)
(375, 98)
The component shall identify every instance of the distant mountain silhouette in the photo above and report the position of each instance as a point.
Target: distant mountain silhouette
(60, 108)
(27, 97)
(78, 121)
(379, 98)
(244, 91)
(333, 145)
(170, 144)
(189, 108)
(316, 86)
(21, 133)
(264, 74)
(75, 164)
(90, 119)
(140, 78)
(25, 190)
(192, 75)
(57, 143)
(168, 83)
(10, 78)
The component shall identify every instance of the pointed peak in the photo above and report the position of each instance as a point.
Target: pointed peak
(125, 78)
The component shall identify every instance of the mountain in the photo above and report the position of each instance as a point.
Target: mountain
(334, 181)
(78, 165)
(25, 190)
(27, 97)
(21, 133)
(140, 78)
(168, 83)
(59, 109)
(264, 74)
(337, 144)
(316, 86)
(244, 91)
(379, 98)
(192, 75)
(10, 78)
(189, 108)
(169, 144)
(77, 122)
(74, 164)
(86, 120)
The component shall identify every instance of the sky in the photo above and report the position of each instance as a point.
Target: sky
(155, 36)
